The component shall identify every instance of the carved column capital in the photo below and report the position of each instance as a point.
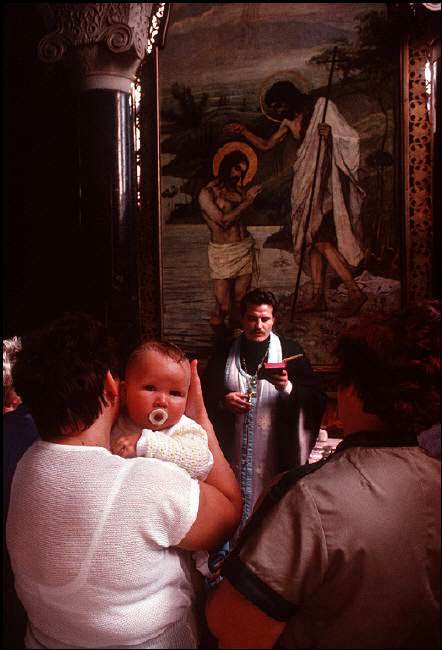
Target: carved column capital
(104, 43)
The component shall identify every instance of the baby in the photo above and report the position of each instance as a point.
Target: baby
(152, 423)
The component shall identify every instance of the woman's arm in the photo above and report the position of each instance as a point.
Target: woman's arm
(220, 505)
(238, 623)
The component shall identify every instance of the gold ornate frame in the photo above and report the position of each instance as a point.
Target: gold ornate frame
(417, 164)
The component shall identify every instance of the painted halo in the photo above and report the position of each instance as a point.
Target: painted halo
(296, 78)
(229, 147)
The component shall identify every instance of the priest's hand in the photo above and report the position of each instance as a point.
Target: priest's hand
(278, 377)
(237, 403)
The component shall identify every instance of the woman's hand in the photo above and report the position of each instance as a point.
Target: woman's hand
(195, 408)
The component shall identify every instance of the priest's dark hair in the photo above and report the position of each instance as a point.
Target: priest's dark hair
(259, 297)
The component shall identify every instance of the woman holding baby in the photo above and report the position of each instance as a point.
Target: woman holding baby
(99, 544)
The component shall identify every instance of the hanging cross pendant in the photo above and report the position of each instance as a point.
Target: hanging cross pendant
(251, 389)
(250, 394)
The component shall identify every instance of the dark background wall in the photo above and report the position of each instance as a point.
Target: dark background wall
(41, 253)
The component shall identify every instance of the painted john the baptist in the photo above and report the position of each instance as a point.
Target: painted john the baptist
(322, 219)
(304, 86)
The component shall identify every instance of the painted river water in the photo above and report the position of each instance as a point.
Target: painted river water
(187, 289)
(188, 297)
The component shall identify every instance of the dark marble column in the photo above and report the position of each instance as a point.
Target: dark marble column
(108, 208)
(102, 46)
(149, 231)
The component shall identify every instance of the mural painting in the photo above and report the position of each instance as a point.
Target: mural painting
(280, 167)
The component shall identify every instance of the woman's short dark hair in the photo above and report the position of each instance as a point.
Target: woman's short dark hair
(60, 373)
(393, 361)
(258, 297)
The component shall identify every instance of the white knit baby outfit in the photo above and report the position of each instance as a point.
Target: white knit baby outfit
(95, 564)
(185, 444)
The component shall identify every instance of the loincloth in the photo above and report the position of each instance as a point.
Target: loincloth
(231, 260)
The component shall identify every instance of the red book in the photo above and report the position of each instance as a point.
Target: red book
(280, 364)
(275, 366)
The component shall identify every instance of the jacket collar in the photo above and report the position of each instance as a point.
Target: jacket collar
(377, 439)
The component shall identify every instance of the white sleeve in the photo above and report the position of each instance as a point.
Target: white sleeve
(186, 446)
(288, 388)
(166, 497)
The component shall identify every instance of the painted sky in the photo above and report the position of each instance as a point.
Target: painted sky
(188, 16)
(210, 43)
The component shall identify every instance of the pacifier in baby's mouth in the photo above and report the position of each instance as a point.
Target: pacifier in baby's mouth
(158, 416)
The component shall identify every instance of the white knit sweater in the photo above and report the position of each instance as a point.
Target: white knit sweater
(89, 534)
(185, 444)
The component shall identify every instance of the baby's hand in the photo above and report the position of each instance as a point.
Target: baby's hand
(126, 445)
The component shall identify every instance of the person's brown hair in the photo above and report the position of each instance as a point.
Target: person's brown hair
(60, 373)
(393, 361)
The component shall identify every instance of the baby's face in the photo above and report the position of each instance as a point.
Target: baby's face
(156, 381)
